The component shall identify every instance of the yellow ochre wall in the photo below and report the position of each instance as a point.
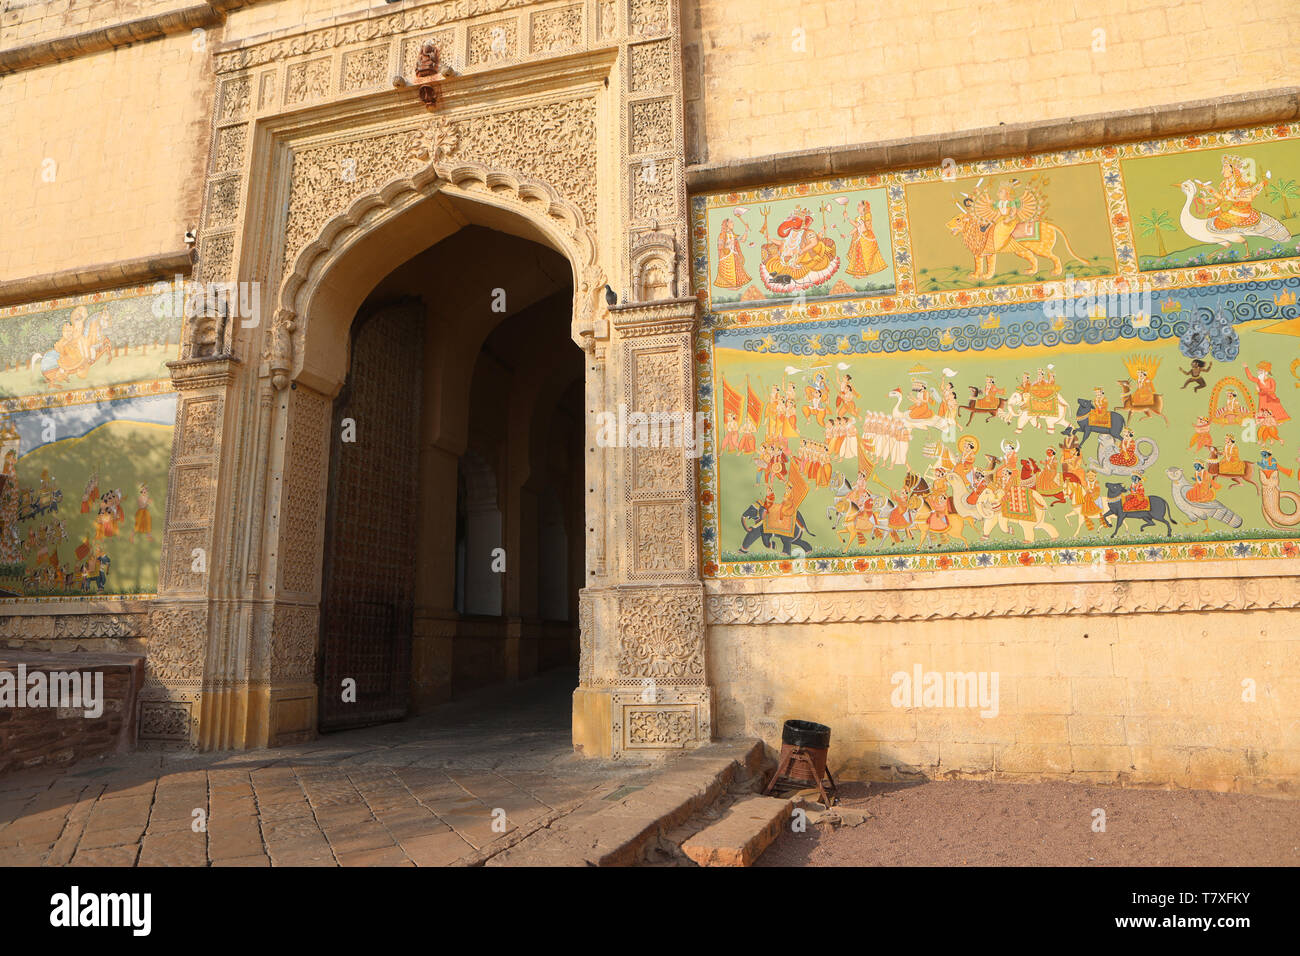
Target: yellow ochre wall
(1137, 699)
(873, 70)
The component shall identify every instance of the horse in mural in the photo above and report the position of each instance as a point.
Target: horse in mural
(977, 406)
(753, 532)
(1157, 510)
(1086, 427)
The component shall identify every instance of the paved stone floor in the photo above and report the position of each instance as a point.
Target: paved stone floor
(455, 785)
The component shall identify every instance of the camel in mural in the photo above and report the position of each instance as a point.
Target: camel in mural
(1206, 511)
(953, 530)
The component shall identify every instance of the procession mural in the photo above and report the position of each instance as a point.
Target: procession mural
(86, 417)
(1094, 411)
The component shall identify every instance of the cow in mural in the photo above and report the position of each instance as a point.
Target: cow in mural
(1094, 419)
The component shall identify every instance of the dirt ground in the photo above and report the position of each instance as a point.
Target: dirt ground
(943, 823)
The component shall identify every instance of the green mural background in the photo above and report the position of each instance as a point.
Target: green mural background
(86, 417)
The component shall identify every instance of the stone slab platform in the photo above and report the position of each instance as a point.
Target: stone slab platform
(749, 827)
(47, 736)
(621, 833)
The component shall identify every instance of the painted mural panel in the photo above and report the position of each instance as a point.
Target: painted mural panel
(1106, 414)
(1209, 206)
(800, 242)
(86, 417)
(1015, 227)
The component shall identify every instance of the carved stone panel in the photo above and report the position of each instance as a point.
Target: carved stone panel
(650, 66)
(165, 720)
(493, 42)
(660, 718)
(199, 426)
(650, 126)
(294, 630)
(365, 68)
(553, 142)
(556, 29)
(302, 511)
(307, 81)
(228, 154)
(233, 98)
(661, 636)
(650, 17)
(177, 648)
(444, 40)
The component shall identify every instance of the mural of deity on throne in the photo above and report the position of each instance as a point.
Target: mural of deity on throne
(801, 257)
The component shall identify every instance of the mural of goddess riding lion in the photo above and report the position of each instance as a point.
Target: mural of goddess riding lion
(1009, 223)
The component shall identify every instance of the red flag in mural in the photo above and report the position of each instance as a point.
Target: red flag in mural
(755, 406)
(730, 399)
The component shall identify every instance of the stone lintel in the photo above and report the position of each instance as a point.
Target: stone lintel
(84, 279)
(111, 36)
(661, 317)
(194, 374)
(1247, 109)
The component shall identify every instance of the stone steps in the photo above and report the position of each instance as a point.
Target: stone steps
(746, 829)
(623, 833)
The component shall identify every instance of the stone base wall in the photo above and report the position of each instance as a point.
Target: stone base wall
(53, 737)
(1135, 699)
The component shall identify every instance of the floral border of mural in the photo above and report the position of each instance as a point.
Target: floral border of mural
(906, 300)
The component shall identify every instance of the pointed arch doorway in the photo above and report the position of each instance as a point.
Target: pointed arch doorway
(453, 542)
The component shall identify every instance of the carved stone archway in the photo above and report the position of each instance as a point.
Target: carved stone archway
(317, 203)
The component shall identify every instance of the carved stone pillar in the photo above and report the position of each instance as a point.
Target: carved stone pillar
(643, 683)
(177, 651)
(288, 621)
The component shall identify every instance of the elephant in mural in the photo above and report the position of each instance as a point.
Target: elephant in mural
(754, 531)
(997, 509)
(1019, 411)
(1086, 427)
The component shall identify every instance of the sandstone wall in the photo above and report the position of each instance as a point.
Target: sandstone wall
(1152, 699)
(768, 76)
(104, 156)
